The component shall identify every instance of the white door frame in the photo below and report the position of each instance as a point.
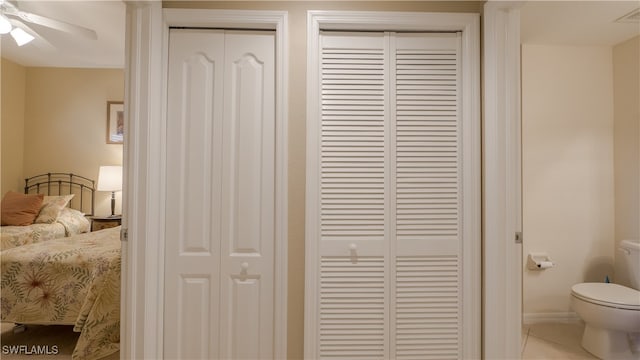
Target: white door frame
(469, 26)
(145, 100)
(143, 185)
(502, 271)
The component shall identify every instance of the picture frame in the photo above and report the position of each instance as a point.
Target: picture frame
(115, 122)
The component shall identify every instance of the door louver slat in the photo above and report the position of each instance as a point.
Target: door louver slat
(426, 139)
(352, 308)
(352, 143)
(427, 307)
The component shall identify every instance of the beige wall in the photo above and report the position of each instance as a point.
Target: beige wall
(568, 183)
(12, 126)
(65, 123)
(297, 12)
(58, 124)
(626, 90)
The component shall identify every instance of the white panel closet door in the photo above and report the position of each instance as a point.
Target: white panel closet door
(389, 263)
(220, 195)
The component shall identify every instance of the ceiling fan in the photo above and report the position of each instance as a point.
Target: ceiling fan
(13, 21)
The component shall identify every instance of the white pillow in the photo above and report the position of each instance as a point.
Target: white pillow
(51, 208)
(74, 221)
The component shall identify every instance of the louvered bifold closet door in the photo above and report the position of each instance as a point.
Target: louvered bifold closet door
(353, 276)
(427, 172)
(390, 199)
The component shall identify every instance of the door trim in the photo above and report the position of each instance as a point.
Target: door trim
(146, 66)
(502, 208)
(469, 25)
(143, 184)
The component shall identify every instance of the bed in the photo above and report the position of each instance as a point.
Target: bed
(67, 281)
(66, 200)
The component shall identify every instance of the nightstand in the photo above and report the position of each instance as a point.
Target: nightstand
(105, 222)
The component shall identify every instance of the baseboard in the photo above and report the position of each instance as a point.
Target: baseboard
(557, 317)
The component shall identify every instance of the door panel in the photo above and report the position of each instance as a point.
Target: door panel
(248, 196)
(427, 295)
(353, 315)
(193, 200)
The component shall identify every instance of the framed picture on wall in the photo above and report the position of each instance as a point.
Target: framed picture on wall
(115, 122)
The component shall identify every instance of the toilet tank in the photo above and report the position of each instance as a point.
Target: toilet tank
(628, 264)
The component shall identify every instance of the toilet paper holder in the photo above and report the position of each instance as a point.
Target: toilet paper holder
(539, 261)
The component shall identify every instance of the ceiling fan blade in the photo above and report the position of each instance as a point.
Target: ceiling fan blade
(54, 24)
(42, 43)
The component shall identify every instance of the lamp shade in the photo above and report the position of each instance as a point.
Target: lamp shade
(110, 178)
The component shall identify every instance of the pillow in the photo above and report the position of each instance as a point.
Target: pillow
(51, 207)
(19, 209)
(74, 221)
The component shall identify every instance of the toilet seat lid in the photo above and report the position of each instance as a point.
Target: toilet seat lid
(608, 294)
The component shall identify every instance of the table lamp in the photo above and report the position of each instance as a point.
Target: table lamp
(110, 179)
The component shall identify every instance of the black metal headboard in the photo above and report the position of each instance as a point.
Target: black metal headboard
(64, 184)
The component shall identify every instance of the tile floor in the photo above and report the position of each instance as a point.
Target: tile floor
(553, 341)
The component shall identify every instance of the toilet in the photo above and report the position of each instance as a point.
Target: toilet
(611, 312)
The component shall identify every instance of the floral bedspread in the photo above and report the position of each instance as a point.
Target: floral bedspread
(70, 222)
(74, 280)
(12, 236)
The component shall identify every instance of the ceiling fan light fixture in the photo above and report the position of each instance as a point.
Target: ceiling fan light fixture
(5, 25)
(20, 36)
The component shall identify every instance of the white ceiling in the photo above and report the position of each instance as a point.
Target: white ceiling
(543, 22)
(577, 22)
(107, 18)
